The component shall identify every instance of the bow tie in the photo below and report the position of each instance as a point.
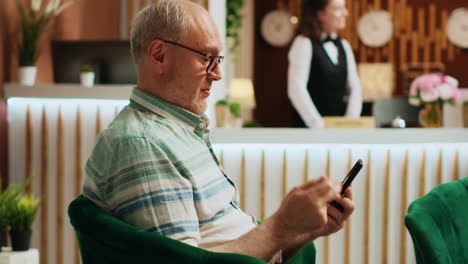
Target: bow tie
(329, 38)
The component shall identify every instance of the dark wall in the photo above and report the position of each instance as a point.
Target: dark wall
(270, 65)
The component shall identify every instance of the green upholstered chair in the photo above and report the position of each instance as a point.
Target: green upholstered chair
(105, 239)
(438, 224)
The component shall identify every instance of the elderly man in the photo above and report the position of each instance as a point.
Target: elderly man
(154, 167)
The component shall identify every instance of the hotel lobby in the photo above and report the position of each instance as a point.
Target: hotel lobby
(55, 103)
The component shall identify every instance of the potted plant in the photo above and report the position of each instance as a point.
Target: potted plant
(222, 113)
(21, 219)
(235, 109)
(34, 20)
(7, 201)
(87, 75)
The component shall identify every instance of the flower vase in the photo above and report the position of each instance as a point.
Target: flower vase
(431, 115)
(27, 75)
(20, 240)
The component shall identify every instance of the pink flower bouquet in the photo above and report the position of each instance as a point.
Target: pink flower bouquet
(434, 88)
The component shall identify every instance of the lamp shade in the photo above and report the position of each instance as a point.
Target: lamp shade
(242, 91)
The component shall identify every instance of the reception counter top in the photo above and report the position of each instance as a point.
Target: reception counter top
(339, 136)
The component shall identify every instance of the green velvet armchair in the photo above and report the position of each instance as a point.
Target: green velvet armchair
(438, 224)
(105, 239)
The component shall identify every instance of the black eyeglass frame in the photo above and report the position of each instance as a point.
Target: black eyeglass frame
(214, 60)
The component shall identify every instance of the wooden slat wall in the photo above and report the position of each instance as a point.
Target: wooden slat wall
(263, 173)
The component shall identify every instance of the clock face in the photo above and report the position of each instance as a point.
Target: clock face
(457, 27)
(277, 28)
(375, 29)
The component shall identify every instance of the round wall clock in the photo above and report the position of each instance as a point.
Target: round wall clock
(457, 27)
(277, 28)
(375, 28)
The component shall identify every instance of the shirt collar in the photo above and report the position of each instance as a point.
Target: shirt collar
(324, 35)
(197, 123)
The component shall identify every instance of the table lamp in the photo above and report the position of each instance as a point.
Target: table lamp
(241, 90)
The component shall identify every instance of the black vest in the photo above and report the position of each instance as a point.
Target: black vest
(327, 82)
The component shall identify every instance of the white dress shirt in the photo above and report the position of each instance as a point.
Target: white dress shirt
(300, 58)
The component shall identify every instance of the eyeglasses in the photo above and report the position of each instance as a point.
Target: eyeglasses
(214, 60)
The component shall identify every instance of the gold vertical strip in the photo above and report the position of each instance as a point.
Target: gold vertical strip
(443, 29)
(378, 55)
(391, 7)
(306, 167)
(432, 21)
(44, 174)
(367, 210)
(130, 13)
(98, 119)
(116, 110)
(439, 167)
(78, 146)
(408, 20)
(347, 228)
(60, 185)
(403, 209)
(455, 173)
(422, 175)
(421, 26)
(386, 208)
(451, 52)
(284, 176)
(221, 158)
(326, 240)
(385, 51)
(363, 54)
(403, 52)
(29, 142)
(397, 18)
(262, 188)
(414, 47)
(404, 23)
(377, 4)
(438, 46)
(243, 182)
(78, 174)
(355, 39)
(427, 55)
(391, 52)
(363, 6)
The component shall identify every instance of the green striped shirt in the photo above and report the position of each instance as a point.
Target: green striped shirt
(154, 168)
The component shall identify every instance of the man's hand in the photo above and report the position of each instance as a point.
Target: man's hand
(337, 218)
(304, 209)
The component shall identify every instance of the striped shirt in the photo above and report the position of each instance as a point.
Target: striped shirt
(154, 168)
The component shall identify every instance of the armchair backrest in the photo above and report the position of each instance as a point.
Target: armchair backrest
(438, 224)
(105, 239)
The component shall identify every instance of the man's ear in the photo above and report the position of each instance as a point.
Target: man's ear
(156, 55)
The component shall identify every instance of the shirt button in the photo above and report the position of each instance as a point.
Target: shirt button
(201, 125)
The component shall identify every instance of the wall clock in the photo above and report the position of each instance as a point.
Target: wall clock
(277, 28)
(457, 27)
(375, 28)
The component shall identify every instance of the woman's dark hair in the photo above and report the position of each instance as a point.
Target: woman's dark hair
(309, 25)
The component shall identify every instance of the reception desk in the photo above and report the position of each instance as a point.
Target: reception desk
(52, 134)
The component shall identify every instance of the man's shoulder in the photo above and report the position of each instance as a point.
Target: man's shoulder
(133, 125)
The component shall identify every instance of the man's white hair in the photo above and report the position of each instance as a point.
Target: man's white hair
(165, 19)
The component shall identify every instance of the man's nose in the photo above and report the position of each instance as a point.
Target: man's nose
(215, 74)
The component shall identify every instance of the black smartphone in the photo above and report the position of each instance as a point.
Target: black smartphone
(347, 182)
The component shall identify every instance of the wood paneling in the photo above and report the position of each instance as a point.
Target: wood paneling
(420, 37)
